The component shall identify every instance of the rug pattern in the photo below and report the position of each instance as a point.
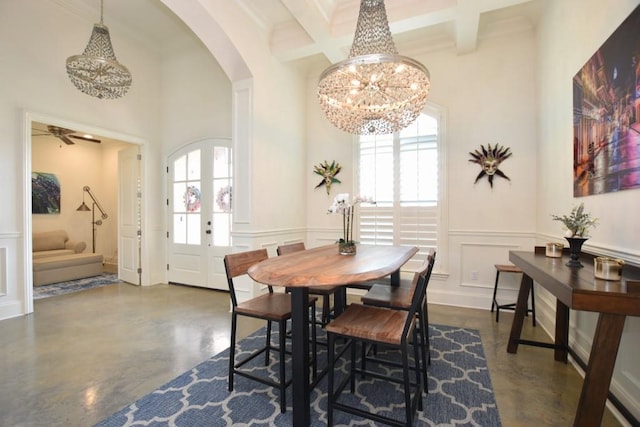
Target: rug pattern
(62, 288)
(460, 391)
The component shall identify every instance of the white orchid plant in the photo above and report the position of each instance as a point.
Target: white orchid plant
(345, 205)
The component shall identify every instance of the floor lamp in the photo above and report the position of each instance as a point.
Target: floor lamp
(94, 223)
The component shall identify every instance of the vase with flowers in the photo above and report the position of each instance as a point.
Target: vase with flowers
(577, 223)
(345, 205)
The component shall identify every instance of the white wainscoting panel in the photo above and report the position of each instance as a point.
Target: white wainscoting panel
(265, 239)
(477, 268)
(3, 272)
(242, 106)
(12, 287)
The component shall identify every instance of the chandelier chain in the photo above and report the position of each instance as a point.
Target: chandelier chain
(375, 90)
(372, 32)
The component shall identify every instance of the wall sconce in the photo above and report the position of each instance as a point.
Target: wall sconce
(94, 223)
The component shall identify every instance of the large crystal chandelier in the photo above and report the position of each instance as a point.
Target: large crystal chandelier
(375, 90)
(97, 72)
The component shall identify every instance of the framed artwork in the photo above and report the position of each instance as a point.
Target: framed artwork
(45, 193)
(606, 115)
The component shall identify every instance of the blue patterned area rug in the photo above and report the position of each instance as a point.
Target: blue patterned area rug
(460, 392)
(55, 289)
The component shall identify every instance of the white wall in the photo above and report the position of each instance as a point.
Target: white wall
(489, 96)
(514, 90)
(196, 97)
(570, 32)
(324, 142)
(36, 37)
(568, 36)
(279, 150)
(269, 131)
(173, 100)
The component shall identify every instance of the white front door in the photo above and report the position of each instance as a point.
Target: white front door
(199, 189)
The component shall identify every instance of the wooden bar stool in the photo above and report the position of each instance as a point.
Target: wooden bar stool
(400, 298)
(272, 307)
(378, 326)
(503, 268)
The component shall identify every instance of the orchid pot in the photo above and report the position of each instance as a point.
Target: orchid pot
(343, 204)
(347, 248)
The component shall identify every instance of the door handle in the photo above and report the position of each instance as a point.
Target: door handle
(208, 231)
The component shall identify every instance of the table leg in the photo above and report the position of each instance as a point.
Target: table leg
(597, 380)
(561, 349)
(395, 278)
(300, 355)
(339, 301)
(521, 310)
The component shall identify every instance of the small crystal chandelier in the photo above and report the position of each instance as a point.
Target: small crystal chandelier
(375, 90)
(97, 72)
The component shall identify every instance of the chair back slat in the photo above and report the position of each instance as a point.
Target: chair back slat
(420, 283)
(290, 248)
(238, 264)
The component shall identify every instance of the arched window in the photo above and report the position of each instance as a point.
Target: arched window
(404, 173)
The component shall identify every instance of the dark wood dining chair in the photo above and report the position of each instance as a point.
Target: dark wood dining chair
(385, 327)
(323, 291)
(272, 307)
(400, 298)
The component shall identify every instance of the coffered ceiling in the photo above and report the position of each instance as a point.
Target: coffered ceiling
(303, 29)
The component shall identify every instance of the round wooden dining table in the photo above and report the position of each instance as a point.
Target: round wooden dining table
(318, 267)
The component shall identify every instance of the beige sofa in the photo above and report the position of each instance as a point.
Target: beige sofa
(58, 259)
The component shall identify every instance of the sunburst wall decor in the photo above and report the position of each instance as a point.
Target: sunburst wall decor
(489, 160)
(328, 173)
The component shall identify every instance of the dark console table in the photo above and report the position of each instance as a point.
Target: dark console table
(577, 289)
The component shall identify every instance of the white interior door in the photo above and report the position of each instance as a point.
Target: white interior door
(199, 190)
(129, 216)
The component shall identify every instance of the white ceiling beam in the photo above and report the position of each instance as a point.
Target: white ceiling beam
(467, 25)
(467, 21)
(314, 22)
(315, 30)
(488, 5)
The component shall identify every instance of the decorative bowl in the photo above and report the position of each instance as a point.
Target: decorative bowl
(554, 250)
(607, 268)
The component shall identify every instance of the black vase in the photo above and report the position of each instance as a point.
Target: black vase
(575, 246)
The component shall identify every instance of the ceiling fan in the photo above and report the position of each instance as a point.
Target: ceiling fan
(63, 134)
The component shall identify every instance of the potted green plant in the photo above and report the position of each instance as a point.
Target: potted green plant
(577, 223)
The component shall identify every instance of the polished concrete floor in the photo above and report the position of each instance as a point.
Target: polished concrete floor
(80, 357)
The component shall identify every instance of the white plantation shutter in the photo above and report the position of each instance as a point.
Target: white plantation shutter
(400, 172)
(376, 225)
(418, 226)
